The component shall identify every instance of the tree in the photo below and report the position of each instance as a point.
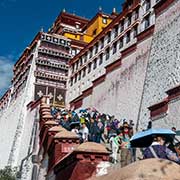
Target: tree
(8, 173)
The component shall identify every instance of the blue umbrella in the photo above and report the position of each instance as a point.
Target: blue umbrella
(178, 133)
(145, 138)
(72, 124)
(82, 110)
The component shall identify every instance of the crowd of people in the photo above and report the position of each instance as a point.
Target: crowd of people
(90, 125)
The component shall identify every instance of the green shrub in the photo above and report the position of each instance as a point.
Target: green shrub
(8, 173)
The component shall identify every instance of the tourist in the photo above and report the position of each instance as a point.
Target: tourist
(173, 129)
(115, 142)
(84, 131)
(94, 131)
(159, 150)
(126, 153)
(101, 128)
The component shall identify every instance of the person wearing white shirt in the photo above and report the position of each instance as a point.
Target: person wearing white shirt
(85, 132)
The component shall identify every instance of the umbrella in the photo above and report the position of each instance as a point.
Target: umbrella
(74, 124)
(145, 138)
(64, 112)
(178, 133)
(82, 110)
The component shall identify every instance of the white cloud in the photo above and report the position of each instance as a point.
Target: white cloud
(3, 3)
(6, 66)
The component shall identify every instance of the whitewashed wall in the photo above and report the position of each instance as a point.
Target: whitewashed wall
(164, 64)
(171, 119)
(16, 124)
(173, 114)
(8, 126)
(31, 137)
(120, 93)
(87, 101)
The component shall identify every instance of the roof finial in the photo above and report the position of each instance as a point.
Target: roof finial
(100, 9)
(114, 10)
(64, 10)
(42, 29)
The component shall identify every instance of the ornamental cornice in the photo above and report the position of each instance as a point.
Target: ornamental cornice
(47, 62)
(54, 52)
(49, 76)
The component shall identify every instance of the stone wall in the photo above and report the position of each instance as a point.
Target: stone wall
(163, 71)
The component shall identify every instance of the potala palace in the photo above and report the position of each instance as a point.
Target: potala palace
(126, 64)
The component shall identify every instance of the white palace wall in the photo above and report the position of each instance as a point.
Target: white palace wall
(163, 71)
(120, 93)
(16, 125)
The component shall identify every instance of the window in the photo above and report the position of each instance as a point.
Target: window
(129, 20)
(96, 48)
(80, 62)
(116, 31)
(107, 53)
(120, 43)
(122, 25)
(71, 82)
(77, 64)
(148, 5)
(95, 32)
(95, 64)
(85, 57)
(84, 72)
(135, 32)
(114, 47)
(75, 78)
(89, 67)
(136, 14)
(130, 3)
(79, 77)
(128, 37)
(100, 59)
(109, 36)
(104, 20)
(102, 43)
(73, 68)
(146, 22)
(90, 53)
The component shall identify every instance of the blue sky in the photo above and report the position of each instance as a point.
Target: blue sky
(20, 20)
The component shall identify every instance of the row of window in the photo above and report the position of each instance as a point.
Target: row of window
(55, 40)
(99, 45)
(79, 63)
(117, 29)
(93, 64)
